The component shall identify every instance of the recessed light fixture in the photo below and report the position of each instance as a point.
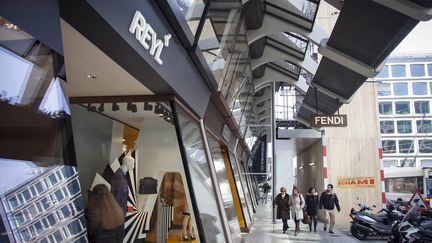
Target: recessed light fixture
(11, 26)
(312, 163)
(301, 168)
(124, 139)
(91, 76)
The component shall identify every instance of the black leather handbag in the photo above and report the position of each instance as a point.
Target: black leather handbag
(148, 185)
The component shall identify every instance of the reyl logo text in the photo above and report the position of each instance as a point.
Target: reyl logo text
(147, 37)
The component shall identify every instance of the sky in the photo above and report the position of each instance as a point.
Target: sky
(417, 41)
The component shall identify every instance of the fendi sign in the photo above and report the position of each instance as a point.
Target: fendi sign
(329, 121)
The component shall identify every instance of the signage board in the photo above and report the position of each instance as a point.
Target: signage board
(417, 197)
(329, 121)
(355, 181)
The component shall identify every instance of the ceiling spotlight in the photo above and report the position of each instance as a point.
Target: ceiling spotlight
(11, 26)
(159, 109)
(147, 106)
(134, 108)
(91, 108)
(311, 163)
(101, 107)
(115, 107)
(301, 168)
(91, 76)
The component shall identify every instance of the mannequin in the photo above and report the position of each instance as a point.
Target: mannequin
(119, 184)
(187, 232)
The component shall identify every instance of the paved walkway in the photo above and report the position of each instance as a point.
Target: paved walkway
(264, 231)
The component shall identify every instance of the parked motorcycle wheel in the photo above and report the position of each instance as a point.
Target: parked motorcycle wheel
(357, 233)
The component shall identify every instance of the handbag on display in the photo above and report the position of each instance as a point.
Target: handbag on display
(148, 185)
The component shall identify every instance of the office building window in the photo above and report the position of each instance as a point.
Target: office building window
(384, 89)
(387, 127)
(389, 146)
(390, 162)
(385, 108)
(429, 67)
(419, 88)
(424, 126)
(400, 89)
(417, 70)
(402, 107)
(404, 126)
(398, 71)
(407, 163)
(406, 146)
(426, 162)
(384, 72)
(421, 107)
(425, 146)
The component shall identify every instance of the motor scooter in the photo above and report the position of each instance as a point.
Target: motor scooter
(365, 224)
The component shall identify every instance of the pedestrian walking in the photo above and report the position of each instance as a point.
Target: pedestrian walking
(266, 188)
(312, 204)
(328, 201)
(297, 204)
(283, 208)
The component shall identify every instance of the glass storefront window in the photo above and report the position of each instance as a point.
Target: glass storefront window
(400, 89)
(404, 126)
(424, 126)
(384, 72)
(398, 71)
(31, 94)
(389, 146)
(402, 107)
(421, 107)
(429, 68)
(425, 146)
(384, 89)
(406, 146)
(224, 186)
(385, 108)
(419, 88)
(201, 178)
(417, 70)
(387, 127)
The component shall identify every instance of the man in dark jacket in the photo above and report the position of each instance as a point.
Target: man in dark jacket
(328, 201)
(266, 188)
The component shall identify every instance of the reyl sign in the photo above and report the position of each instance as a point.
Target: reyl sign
(329, 121)
(147, 37)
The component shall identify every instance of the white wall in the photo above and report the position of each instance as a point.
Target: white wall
(283, 166)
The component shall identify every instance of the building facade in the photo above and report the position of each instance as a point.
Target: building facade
(404, 91)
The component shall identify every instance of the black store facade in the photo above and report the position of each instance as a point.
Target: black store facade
(85, 84)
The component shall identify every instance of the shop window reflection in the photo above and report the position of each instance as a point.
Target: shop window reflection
(199, 172)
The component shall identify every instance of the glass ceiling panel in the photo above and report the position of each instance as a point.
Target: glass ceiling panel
(301, 12)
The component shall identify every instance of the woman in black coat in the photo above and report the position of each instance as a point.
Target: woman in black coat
(283, 210)
(312, 203)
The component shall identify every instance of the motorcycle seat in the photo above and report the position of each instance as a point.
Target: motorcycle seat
(379, 217)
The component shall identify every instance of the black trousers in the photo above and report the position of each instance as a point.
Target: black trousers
(313, 218)
(285, 224)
